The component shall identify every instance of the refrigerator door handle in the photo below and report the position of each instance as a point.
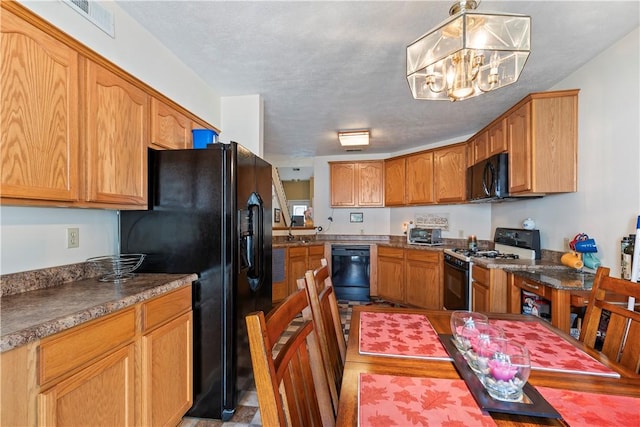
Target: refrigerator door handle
(255, 241)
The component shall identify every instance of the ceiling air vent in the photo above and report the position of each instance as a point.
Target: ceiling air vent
(94, 12)
(349, 150)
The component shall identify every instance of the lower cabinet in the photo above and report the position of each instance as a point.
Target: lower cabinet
(488, 289)
(129, 368)
(410, 276)
(297, 260)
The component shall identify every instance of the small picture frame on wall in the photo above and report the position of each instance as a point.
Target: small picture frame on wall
(276, 215)
(356, 217)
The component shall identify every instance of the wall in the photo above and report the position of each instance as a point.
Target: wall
(242, 121)
(607, 203)
(31, 237)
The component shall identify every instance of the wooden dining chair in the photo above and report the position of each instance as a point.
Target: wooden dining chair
(326, 315)
(290, 382)
(621, 343)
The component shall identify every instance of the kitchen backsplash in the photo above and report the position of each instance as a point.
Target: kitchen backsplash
(16, 283)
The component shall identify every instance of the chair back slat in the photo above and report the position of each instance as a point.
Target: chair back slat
(290, 381)
(326, 315)
(621, 342)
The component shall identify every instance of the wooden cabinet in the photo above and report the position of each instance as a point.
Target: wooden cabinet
(131, 367)
(497, 138)
(420, 179)
(409, 180)
(423, 279)
(560, 300)
(170, 129)
(478, 148)
(391, 273)
(357, 184)
(75, 127)
(489, 290)
(86, 374)
(541, 134)
(167, 354)
(116, 139)
(450, 171)
(395, 179)
(39, 142)
(300, 259)
(411, 276)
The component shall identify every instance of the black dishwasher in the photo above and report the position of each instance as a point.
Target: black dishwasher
(350, 272)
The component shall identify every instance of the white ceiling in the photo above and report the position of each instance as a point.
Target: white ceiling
(326, 66)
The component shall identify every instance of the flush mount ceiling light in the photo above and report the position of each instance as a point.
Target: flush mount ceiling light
(468, 54)
(355, 137)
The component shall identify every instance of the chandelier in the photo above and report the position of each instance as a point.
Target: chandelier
(468, 54)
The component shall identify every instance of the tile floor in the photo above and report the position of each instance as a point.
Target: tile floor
(247, 413)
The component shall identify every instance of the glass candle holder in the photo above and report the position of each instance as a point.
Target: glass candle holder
(463, 328)
(488, 339)
(507, 372)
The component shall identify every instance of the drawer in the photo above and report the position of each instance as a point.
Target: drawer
(533, 287)
(316, 250)
(386, 251)
(580, 299)
(164, 308)
(481, 274)
(68, 350)
(426, 256)
(298, 251)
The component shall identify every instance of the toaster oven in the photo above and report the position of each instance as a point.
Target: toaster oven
(424, 236)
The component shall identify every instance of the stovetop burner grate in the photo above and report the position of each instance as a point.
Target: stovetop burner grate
(485, 254)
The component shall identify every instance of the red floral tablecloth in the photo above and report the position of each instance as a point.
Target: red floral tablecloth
(551, 352)
(593, 409)
(400, 335)
(387, 400)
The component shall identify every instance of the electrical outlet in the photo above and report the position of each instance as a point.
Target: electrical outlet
(567, 240)
(73, 238)
(461, 233)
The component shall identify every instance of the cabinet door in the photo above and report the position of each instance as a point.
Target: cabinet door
(450, 171)
(370, 184)
(391, 273)
(480, 297)
(298, 266)
(39, 148)
(420, 178)
(423, 282)
(315, 254)
(394, 182)
(497, 138)
(169, 128)
(100, 395)
(116, 138)
(167, 372)
(479, 147)
(519, 141)
(343, 184)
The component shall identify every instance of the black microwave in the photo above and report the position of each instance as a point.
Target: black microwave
(488, 180)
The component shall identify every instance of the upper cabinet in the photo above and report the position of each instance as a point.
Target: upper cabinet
(542, 139)
(170, 129)
(74, 128)
(395, 179)
(420, 178)
(39, 144)
(116, 139)
(450, 168)
(357, 184)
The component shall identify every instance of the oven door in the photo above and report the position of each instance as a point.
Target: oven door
(457, 290)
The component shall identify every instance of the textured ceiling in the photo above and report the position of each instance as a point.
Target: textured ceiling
(327, 66)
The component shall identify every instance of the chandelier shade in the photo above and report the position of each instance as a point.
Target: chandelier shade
(468, 54)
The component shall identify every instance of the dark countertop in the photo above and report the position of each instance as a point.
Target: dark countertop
(32, 315)
(564, 279)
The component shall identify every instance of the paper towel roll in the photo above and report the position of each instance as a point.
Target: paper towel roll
(572, 259)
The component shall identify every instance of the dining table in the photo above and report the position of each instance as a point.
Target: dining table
(398, 368)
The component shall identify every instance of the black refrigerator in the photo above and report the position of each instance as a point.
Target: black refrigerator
(210, 214)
